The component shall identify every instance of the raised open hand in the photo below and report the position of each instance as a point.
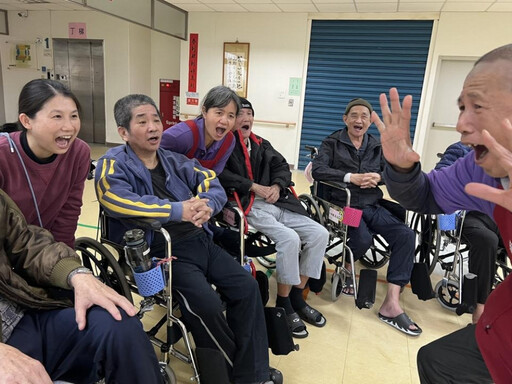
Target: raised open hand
(394, 130)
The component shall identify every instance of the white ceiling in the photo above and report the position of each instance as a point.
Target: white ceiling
(292, 6)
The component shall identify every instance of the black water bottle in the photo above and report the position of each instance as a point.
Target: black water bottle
(137, 251)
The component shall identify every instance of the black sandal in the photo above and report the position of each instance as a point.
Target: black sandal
(312, 316)
(297, 326)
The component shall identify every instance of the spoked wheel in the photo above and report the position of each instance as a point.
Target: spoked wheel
(168, 374)
(312, 208)
(267, 261)
(337, 285)
(103, 265)
(503, 267)
(448, 296)
(378, 254)
(429, 239)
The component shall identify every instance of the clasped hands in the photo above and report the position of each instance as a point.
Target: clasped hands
(196, 211)
(270, 194)
(365, 180)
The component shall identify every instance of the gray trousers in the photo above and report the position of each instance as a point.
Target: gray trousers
(289, 231)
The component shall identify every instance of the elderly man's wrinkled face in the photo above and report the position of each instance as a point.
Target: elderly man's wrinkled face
(145, 130)
(484, 103)
(358, 121)
(244, 122)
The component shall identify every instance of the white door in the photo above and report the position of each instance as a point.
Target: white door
(444, 111)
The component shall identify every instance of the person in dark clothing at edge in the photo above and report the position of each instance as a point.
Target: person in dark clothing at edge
(261, 176)
(480, 233)
(44, 338)
(479, 353)
(142, 179)
(354, 156)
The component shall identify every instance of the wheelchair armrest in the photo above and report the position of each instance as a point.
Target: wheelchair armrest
(335, 184)
(144, 223)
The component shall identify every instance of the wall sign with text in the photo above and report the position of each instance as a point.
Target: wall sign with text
(236, 67)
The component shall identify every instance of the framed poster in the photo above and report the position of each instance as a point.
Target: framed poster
(236, 67)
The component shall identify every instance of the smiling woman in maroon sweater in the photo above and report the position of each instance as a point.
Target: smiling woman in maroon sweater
(43, 168)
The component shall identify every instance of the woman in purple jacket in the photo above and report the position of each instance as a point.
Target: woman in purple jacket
(208, 138)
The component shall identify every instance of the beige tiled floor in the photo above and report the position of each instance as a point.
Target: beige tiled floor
(354, 347)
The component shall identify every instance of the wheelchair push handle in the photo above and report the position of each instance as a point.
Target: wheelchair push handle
(313, 150)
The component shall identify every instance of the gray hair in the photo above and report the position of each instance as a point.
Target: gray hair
(219, 97)
(124, 107)
(504, 52)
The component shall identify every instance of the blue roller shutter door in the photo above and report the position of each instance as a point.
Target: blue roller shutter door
(354, 58)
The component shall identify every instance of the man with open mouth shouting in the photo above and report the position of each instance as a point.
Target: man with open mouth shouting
(479, 353)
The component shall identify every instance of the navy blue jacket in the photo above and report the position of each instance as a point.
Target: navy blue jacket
(452, 153)
(338, 156)
(125, 190)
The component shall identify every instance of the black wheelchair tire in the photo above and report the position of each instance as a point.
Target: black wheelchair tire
(337, 284)
(103, 264)
(428, 239)
(168, 374)
(447, 296)
(312, 208)
(267, 261)
(503, 267)
(378, 257)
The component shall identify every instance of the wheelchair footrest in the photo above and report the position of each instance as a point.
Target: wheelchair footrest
(366, 288)
(469, 294)
(212, 366)
(280, 339)
(420, 282)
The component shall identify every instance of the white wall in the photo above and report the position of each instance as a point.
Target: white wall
(135, 58)
(133, 64)
(465, 35)
(277, 52)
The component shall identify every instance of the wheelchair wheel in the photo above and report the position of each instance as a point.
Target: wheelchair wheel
(103, 265)
(429, 239)
(503, 267)
(312, 208)
(378, 254)
(337, 285)
(168, 374)
(448, 296)
(267, 261)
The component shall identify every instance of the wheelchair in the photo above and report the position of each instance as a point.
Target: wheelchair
(252, 244)
(116, 273)
(337, 220)
(378, 254)
(439, 243)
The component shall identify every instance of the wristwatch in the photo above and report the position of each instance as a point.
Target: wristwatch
(76, 271)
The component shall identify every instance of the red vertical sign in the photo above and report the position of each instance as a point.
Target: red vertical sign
(192, 62)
